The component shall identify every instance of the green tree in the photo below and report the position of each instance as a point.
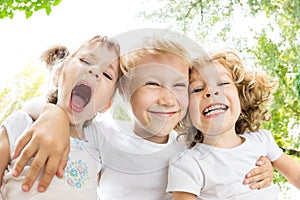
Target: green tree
(265, 32)
(25, 85)
(9, 7)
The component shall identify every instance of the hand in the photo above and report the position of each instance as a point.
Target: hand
(48, 140)
(262, 176)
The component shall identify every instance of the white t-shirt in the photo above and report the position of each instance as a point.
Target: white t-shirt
(217, 173)
(133, 168)
(80, 177)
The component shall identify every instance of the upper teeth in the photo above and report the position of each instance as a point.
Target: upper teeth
(214, 109)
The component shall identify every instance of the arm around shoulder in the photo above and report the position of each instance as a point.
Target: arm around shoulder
(289, 168)
(34, 107)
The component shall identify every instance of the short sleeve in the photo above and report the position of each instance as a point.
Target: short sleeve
(185, 175)
(15, 124)
(273, 150)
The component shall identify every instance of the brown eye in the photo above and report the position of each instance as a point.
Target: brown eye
(106, 75)
(197, 90)
(152, 84)
(180, 85)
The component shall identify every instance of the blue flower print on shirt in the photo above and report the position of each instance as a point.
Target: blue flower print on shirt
(78, 143)
(76, 173)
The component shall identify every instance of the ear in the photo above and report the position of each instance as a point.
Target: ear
(108, 105)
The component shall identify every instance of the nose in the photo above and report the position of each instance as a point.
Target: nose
(167, 97)
(210, 92)
(92, 71)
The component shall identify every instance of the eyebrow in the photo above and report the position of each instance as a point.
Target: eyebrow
(225, 73)
(87, 56)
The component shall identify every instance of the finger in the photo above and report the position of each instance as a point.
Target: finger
(22, 142)
(261, 161)
(266, 167)
(34, 171)
(48, 174)
(63, 163)
(26, 155)
(259, 185)
(256, 178)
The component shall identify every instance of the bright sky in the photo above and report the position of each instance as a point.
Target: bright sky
(70, 23)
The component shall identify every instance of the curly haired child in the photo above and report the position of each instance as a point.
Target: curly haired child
(135, 154)
(227, 106)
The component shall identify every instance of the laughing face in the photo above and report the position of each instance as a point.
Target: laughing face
(214, 101)
(88, 80)
(158, 95)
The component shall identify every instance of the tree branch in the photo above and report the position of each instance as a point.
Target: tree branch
(193, 5)
(291, 152)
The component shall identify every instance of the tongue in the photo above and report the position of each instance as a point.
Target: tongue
(77, 101)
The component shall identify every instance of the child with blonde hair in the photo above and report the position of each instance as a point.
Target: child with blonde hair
(227, 106)
(135, 154)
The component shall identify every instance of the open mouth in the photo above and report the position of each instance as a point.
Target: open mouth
(80, 97)
(214, 109)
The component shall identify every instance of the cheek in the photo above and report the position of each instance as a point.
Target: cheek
(100, 99)
(194, 110)
(183, 101)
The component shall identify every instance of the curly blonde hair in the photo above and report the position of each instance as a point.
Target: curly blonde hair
(254, 89)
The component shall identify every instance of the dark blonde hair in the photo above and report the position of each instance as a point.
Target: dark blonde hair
(155, 47)
(254, 90)
(58, 54)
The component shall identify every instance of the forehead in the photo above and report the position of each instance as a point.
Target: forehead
(209, 71)
(167, 62)
(97, 52)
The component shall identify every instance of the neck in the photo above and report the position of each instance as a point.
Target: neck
(159, 138)
(76, 131)
(228, 139)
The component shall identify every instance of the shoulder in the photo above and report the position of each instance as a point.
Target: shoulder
(260, 135)
(22, 119)
(15, 124)
(187, 158)
(101, 125)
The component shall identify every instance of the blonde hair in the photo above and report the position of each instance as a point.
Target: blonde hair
(254, 89)
(155, 47)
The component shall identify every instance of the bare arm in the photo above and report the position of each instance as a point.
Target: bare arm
(34, 107)
(183, 196)
(261, 176)
(48, 141)
(289, 168)
(4, 152)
